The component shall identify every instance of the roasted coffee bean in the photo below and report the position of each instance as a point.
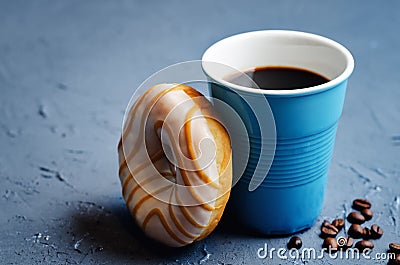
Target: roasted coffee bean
(367, 213)
(356, 231)
(376, 231)
(366, 233)
(338, 223)
(294, 242)
(330, 244)
(325, 223)
(329, 231)
(395, 261)
(345, 243)
(363, 244)
(360, 204)
(355, 218)
(394, 247)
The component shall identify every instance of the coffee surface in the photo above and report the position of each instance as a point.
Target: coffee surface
(277, 78)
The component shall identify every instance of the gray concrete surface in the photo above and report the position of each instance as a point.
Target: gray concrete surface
(67, 71)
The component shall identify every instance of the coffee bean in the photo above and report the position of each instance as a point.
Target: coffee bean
(394, 247)
(395, 261)
(355, 218)
(367, 213)
(329, 231)
(360, 204)
(366, 233)
(330, 244)
(338, 223)
(356, 231)
(363, 244)
(294, 242)
(345, 243)
(376, 231)
(325, 223)
(348, 243)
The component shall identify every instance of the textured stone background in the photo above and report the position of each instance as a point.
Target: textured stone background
(67, 71)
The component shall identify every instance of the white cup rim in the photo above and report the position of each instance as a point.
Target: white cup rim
(303, 91)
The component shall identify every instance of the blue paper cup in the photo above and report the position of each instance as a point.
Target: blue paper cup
(281, 190)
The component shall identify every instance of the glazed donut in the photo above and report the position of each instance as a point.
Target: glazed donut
(175, 164)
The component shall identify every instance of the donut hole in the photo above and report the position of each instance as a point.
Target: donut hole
(171, 174)
(165, 167)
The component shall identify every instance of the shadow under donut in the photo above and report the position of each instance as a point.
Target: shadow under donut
(111, 232)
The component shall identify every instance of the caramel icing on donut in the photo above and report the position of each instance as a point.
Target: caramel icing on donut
(178, 204)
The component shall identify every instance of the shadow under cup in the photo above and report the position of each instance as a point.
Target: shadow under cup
(290, 133)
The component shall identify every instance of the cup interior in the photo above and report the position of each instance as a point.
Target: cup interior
(279, 48)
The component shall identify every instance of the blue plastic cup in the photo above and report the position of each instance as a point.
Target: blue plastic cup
(292, 146)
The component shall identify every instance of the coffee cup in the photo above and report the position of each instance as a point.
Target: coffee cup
(291, 131)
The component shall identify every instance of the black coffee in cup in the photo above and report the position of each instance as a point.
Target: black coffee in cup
(277, 78)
